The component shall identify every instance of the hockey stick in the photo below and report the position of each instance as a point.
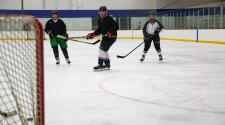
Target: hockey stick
(8, 114)
(76, 37)
(87, 42)
(62, 37)
(118, 56)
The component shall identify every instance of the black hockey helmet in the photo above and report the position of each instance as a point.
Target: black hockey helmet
(152, 14)
(54, 12)
(102, 8)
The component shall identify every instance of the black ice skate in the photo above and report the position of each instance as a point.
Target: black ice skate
(68, 60)
(160, 58)
(57, 61)
(142, 58)
(106, 67)
(98, 68)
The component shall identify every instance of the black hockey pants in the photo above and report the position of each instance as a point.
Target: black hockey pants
(156, 41)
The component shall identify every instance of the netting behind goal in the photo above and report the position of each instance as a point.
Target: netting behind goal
(21, 71)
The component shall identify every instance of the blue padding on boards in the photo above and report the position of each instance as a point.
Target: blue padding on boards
(120, 13)
(78, 13)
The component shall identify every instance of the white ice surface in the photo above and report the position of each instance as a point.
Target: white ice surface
(187, 88)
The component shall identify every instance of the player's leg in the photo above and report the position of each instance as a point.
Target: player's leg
(65, 53)
(146, 48)
(101, 55)
(56, 54)
(109, 43)
(54, 45)
(156, 41)
(63, 45)
(106, 43)
(107, 61)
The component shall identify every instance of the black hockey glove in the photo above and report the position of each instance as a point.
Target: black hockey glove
(156, 32)
(90, 36)
(50, 34)
(66, 36)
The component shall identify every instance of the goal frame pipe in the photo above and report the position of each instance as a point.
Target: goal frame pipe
(40, 61)
(42, 73)
(39, 42)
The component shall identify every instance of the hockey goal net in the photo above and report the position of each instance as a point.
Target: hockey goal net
(21, 71)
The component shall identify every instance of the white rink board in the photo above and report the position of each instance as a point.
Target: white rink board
(204, 34)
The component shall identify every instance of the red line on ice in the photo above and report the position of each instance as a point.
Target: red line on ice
(101, 83)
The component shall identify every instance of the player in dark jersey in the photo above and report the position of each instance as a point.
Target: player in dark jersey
(54, 27)
(107, 27)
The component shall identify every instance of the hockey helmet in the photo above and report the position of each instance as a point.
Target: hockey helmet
(54, 12)
(102, 8)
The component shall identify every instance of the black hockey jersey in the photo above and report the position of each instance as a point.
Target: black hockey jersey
(107, 24)
(57, 28)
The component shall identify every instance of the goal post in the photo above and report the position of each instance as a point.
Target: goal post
(21, 70)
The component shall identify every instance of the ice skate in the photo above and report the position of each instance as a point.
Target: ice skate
(98, 68)
(106, 67)
(142, 58)
(57, 61)
(160, 58)
(68, 60)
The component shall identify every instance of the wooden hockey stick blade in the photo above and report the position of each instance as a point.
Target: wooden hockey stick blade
(70, 38)
(59, 36)
(8, 114)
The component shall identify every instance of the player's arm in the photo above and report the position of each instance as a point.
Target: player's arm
(98, 31)
(48, 29)
(145, 33)
(64, 30)
(160, 27)
(113, 25)
(63, 27)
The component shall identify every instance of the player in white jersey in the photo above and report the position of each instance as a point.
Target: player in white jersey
(151, 32)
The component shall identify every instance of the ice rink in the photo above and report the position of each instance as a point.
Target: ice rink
(187, 88)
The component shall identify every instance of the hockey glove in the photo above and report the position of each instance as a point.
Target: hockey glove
(90, 36)
(66, 37)
(50, 34)
(156, 32)
(110, 35)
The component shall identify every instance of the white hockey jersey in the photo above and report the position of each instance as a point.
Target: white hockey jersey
(151, 27)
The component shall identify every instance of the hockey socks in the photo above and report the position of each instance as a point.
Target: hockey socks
(107, 64)
(56, 52)
(101, 66)
(143, 56)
